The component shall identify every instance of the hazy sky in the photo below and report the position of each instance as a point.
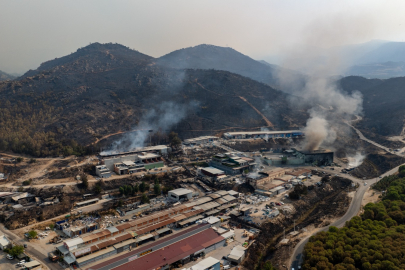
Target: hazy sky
(32, 32)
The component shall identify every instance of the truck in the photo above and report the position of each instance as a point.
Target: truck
(52, 257)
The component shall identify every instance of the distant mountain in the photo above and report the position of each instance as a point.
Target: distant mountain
(105, 88)
(386, 52)
(4, 76)
(94, 58)
(384, 70)
(376, 59)
(223, 58)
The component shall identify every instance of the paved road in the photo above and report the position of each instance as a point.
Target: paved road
(353, 210)
(362, 137)
(34, 251)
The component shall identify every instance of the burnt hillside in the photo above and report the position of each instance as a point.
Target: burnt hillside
(383, 105)
(102, 89)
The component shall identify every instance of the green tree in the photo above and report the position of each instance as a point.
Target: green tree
(174, 140)
(142, 187)
(85, 181)
(32, 234)
(156, 189)
(145, 198)
(136, 189)
(19, 159)
(268, 266)
(121, 190)
(97, 189)
(15, 250)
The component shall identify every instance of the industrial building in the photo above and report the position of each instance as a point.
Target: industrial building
(157, 149)
(200, 140)
(102, 171)
(180, 194)
(209, 263)
(263, 177)
(4, 242)
(232, 163)
(166, 253)
(127, 164)
(211, 172)
(319, 157)
(263, 134)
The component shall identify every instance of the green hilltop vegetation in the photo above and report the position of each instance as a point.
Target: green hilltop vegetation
(374, 241)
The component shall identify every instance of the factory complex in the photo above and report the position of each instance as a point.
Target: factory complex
(148, 234)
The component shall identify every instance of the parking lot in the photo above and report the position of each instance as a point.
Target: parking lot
(6, 264)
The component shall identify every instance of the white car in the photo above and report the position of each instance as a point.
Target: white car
(9, 257)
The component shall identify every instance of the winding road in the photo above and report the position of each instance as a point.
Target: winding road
(354, 207)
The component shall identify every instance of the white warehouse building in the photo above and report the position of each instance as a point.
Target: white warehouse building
(180, 194)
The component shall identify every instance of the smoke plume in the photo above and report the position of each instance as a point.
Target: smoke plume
(162, 118)
(318, 91)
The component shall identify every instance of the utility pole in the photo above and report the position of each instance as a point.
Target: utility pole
(294, 225)
(284, 233)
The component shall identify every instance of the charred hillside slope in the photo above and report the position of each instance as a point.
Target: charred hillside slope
(105, 88)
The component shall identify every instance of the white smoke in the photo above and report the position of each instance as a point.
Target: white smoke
(162, 118)
(356, 160)
(327, 104)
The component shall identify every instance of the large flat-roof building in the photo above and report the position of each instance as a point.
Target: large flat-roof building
(232, 163)
(180, 194)
(200, 140)
(182, 251)
(318, 157)
(263, 134)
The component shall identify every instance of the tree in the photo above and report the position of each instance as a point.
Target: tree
(15, 250)
(145, 198)
(135, 189)
(85, 181)
(19, 159)
(156, 189)
(174, 140)
(97, 189)
(268, 266)
(32, 234)
(142, 187)
(121, 190)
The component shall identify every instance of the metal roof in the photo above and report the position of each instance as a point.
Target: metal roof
(4, 241)
(95, 255)
(180, 191)
(262, 132)
(125, 243)
(212, 170)
(32, 264)
(190, 220)
(163, 230)
(63, 250)
(74, 242)
(89, 201)
(221, 192)
(112, 229)
(229, 198)
(147, 236)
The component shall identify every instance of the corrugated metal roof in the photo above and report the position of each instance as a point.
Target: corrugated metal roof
(229, 198)
(95, 255)
(190, 220)
(173, 253)
(112, 229)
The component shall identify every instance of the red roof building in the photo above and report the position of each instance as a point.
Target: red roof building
(167, 255)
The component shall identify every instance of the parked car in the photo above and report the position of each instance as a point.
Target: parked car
(9, 257)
